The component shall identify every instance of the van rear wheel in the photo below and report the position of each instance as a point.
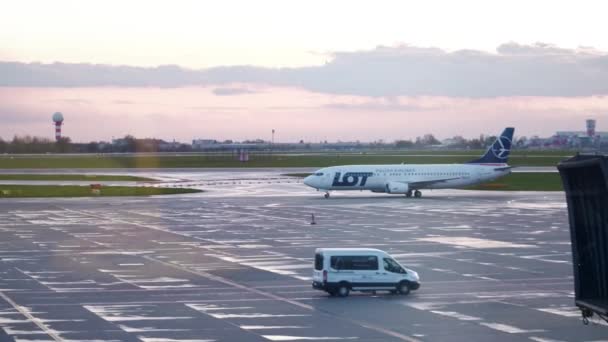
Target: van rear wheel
(403, 288)
(343, 290)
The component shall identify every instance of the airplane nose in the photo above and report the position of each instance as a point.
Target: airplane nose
(308, 181)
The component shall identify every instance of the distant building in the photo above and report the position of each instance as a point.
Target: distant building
(455, 141)
(577, 139)
(120, 142)
(199, 144)
(591, 127)
(164, 146)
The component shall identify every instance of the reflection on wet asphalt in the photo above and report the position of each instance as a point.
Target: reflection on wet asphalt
(234, 264)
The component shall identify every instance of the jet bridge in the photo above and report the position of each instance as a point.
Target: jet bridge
(585, 180)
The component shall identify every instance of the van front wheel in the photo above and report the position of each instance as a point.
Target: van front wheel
(343, 290)
(403, 288)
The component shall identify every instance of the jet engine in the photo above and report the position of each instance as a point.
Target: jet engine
(396, 188)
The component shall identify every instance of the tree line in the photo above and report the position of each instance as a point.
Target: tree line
(131, 144)
(29, 144)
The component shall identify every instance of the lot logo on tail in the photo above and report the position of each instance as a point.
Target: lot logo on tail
(351, 178)
(501, 147)
(499, 151)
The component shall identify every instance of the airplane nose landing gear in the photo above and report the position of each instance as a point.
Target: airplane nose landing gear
(326, 195)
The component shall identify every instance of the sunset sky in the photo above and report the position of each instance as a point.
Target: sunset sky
(312, 70)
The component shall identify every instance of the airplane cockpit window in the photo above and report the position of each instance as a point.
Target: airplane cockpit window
(318, 174)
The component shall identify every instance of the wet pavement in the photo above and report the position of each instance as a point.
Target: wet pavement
(199, 178)
(234, 264)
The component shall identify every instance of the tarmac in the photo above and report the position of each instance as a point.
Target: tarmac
(234, 263)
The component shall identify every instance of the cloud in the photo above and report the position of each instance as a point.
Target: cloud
(76, 101)
(214, 108)
(513, 48)
(232, 91)
(195, 112)
(390, 104)
(22, 116)
(514, 70)
(123, 102)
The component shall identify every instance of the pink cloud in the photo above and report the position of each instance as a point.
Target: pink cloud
(101, 113)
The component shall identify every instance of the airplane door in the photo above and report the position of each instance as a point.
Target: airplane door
(473, 177)
(484, 175)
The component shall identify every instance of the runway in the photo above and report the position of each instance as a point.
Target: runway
(234, 264)
(199, 178)
(194, 170)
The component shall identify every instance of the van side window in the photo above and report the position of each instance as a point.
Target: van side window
(354, 262)
(318, 262)
(392, 266)
(335, 262)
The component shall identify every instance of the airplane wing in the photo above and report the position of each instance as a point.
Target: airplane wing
(414, 185)
(503, 168)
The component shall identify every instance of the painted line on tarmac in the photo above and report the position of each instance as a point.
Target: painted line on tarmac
(243, 287)
(32, 319)
(283, 299)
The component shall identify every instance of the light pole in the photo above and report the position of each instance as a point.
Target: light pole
(272, 143)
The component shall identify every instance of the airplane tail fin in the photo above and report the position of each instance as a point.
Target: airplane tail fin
(499, 151)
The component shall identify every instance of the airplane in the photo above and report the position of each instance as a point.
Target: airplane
(410, 179)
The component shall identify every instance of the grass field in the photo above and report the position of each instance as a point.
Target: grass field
(533, 181)
(70, 177)
(19, 191)
(299, 175)
(266, 160)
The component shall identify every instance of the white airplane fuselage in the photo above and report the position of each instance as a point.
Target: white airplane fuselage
(410, 179)
(402, 178)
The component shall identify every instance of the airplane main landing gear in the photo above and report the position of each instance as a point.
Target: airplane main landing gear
(417, 194)
(408, 194)
(326, 195)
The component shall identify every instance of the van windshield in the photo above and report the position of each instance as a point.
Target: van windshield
(392, 266)
(318, 262)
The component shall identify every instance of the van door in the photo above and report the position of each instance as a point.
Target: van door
(365, 268)
(340, 270)
(390, 274)
(317, 273)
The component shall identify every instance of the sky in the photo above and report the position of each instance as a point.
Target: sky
(311, 70)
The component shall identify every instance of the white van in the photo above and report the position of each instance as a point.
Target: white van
(341, 270)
